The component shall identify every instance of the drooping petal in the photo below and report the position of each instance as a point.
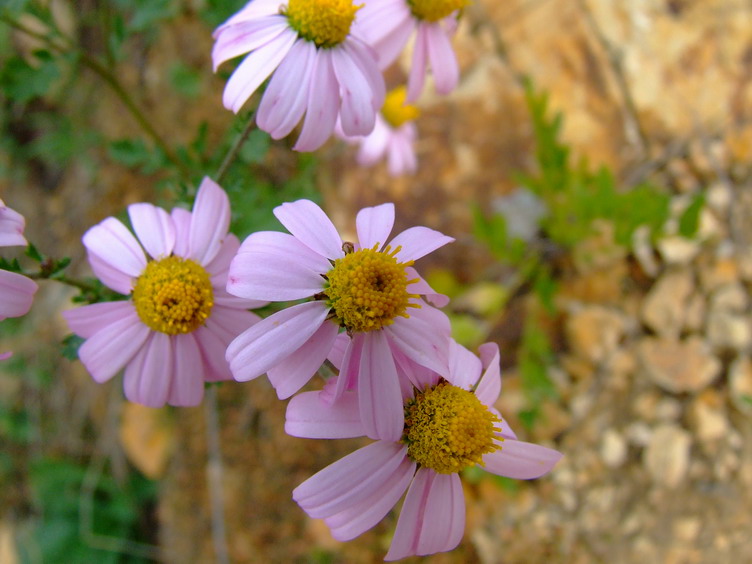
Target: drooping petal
(432, 518)
(107, 351)
(256, 68)
(210, 221)
(374, 225)
(418, 241)
(366, 60)
(16, 294)
(442, 58)
(358, 110)
(109, 276)
(416, 78)
(293, 372)
(361, 516)
(276, 266)
(422, 288)
(464, 366)
(245, 37)
(489, 388)
(87, 320)
(521, 460)
(311, 226)
(323, 104)
(147, 377)
(423, 337)
(284, 100)
(154, 228)
(348, 371)
(381, 409)
(187, 376)
(351, 479)
(271, 340)
(308, 416)
(114, 245)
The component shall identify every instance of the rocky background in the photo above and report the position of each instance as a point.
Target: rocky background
(653, 364)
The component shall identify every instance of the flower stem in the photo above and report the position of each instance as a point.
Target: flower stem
(235, 149)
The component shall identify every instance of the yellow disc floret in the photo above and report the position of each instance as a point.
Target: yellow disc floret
(367, 289)
(448, 428)
(173, 295)
(395, 111)
(325, 22)
(435, 10)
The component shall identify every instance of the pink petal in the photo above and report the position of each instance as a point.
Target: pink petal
(273, 339)
(349, 370)
(284, 100)
(219, 266)
(182, 220)
(210, 221)
(154, 229)
(229, 322)
(16, 294)
(432, 518)
(245, 37)
(213, 355)
(311, 226)
(256, 68)
(464, 366)
(365, 58)
(107, 351)
(147, 377)
(255, 9)
(5, 355)
(417, 242)
(373, 146)
(355, 520)
(276, 266)
(521, 460)
(111, 242)
(351, 479)
(374, 225)
(489, 388)
(308, 416)
(110, 276)
(187, 376)
(424, 289)
(293, 372)
(381, 409)
(387, 27)
(401, 156)
(418, 376)
(87, 320)
(337, 353)
(12, 226)
(423, 337)
(323, 104)
(418, 69)
(443, 61)
(358, 109)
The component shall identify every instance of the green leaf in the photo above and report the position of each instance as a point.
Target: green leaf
(70, 347)
(689, 221)
(22, 82)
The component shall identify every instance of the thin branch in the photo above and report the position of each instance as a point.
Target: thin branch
(235, 149)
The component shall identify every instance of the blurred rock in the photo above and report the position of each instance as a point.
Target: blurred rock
(740, 384)
(594, 332)
(708, 416)
(678, 366)
(664, 308)
(667, 455)
(729, 331)
(613, 448)
(730, 297)
(677, 250)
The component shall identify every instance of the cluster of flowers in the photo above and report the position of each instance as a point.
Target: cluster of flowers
(427, 402)
(325, 59)
(189, 286)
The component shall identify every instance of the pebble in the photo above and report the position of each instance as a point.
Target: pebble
(665, 306)
(667, 455)
(728, 331)
(678, 366)
(613, 449)
(740, 384)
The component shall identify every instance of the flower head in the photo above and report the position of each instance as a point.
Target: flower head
(450, 424)
(368, 289)
(388, 25)
(171, 334)
(318, 67)
(393, 135)
(16, 291)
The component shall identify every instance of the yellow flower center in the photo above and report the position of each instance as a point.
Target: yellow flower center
(448, 428)
(173, 295)
(367, 289)
(435, 10)
(325, 22)
(395, 111)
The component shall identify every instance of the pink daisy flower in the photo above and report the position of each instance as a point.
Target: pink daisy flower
(388, 24)
(393, 136)
(450, 424)
(317, 68)
(171, 335)
(16, 291)
(369, 289)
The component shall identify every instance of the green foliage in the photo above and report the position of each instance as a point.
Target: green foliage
(689, 221)
(22, 81)
(185, 80)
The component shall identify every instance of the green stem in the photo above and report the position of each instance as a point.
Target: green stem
(235, 149)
